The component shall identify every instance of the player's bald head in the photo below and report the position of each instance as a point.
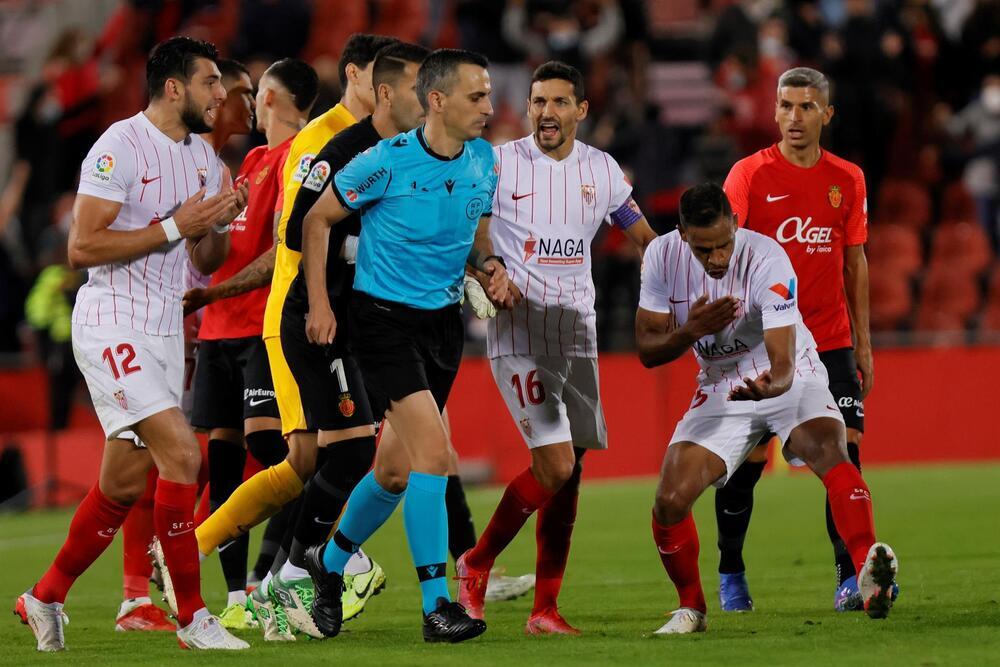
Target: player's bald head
(806, 77)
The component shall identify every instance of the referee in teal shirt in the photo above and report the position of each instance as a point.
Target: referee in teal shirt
(425, 198)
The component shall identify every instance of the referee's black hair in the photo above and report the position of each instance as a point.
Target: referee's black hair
(298, 78)
(391, 60)
(231, 69)
(703, 205)
(439, 68)
(360, 50)
(175, 59)
(555, 69)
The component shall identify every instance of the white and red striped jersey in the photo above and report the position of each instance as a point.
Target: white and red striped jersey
(545, 215)
(150, 174)
(760, 275)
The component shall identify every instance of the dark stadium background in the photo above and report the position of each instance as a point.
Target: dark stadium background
(679, 90)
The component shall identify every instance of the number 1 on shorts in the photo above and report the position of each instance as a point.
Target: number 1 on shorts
(535, 390)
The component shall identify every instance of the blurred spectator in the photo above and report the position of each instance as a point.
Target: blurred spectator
(978, 125)
(573, 32)
(277, 28)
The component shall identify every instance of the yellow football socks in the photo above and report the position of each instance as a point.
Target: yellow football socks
(254, 501)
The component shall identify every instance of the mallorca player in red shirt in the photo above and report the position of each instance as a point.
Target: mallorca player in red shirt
(814, 204)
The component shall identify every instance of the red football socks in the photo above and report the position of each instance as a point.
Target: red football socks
(678, 547)
(522, 497)
(137, 533)
(173, 516)
(553, 533)
(92, 529)
(851, 506)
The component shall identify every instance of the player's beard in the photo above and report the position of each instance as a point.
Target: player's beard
(550, 144)
(194, 118)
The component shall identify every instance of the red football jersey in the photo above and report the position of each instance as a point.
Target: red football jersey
(814, 213)
(251, 235)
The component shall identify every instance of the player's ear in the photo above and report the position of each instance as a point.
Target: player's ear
(827, 114)
(352, 71)
(172, 88)
(581, 110)
(435, 100)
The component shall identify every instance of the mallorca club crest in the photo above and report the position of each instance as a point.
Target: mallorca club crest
(346, 405)
(835, 196)
(120, 397)
(589, 194)
(530, 244)
(262, 174)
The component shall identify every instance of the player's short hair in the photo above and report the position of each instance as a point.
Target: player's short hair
(805, 77)
(298, 78)
(231, 69)
(439, 69)
(391, 60)
(175, 59)
(702, 205)
(555, 69)
(360, 50)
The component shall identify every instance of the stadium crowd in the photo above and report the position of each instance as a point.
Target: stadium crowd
(679, 92)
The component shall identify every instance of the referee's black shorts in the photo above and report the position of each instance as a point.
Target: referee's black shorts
(844, 385)
(232, 383)
(330, 384)
(403, 350)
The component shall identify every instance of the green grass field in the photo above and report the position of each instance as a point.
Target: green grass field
(942, 522)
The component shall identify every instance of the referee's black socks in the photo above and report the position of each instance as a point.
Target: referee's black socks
(461, 531)
(225, 473)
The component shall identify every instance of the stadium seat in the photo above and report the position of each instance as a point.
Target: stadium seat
(894, 248)
(932, 319)
(993, 287)
(947, 291)
(891, 300)
(905, 203)
(990, 320)
(957, 204)
(961, 246)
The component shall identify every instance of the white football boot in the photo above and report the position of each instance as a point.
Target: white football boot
(684, 621)
(206, 632)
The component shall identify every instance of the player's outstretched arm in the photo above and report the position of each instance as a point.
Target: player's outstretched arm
(780, 345)
(856, 289)
(92, 243)
(321, 325)
(660, 340)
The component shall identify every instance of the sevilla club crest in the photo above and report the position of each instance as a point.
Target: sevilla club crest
(835, 196)
(120, 397)
(589, 194)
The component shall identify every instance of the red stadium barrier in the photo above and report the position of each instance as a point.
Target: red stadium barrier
(929, 405)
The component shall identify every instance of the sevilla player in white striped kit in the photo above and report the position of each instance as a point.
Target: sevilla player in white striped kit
(730, 296)
(553, 194)
(150, 196)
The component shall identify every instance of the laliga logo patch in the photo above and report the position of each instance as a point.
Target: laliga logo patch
(104, 167)
(317, 176)
(351, 195)
(302, 169)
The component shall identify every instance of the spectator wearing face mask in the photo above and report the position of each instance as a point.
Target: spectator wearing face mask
(978, 125)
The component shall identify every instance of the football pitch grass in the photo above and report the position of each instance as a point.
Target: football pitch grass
(941, 520)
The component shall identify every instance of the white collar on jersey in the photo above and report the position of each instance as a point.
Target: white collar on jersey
(156, 134)
(536, 152)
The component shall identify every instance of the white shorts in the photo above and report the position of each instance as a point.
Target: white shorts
(553, 399)
(731, 429)
(130, 375)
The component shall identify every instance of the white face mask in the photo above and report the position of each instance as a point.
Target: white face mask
(991, 99)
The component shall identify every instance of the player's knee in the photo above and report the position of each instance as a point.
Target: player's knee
(390, 478)
(268, 447)
(123, 492)
(180, 464)
(552, 475)
(671, 506)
